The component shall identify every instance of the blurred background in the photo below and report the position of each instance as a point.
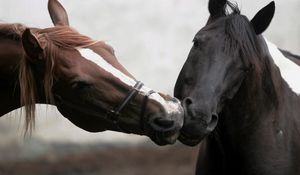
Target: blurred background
(152, 40)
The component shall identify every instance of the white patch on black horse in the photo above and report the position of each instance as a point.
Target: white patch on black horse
(289, 70)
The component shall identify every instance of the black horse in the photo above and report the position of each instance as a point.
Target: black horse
(235, 99)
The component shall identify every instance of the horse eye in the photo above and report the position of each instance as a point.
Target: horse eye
(80, 85)
(196, 42)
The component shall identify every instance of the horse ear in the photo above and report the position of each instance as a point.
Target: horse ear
(216, 8)
(33, 48)
(58, 13)
(263, 18)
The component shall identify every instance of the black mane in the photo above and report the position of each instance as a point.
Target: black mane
(241, 40)
(288, 54)
(241, 37)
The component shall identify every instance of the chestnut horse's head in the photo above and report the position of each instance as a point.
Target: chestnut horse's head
(83, 78)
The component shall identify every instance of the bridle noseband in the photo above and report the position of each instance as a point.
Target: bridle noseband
(115, 113)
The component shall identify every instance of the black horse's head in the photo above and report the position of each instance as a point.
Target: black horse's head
(217, 64)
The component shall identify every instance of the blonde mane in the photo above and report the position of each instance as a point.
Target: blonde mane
(55, 39)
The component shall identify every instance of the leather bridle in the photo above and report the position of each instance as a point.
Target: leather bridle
(115, 113)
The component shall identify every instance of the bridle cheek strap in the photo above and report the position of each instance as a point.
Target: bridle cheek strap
(114, 114)
(143, 109)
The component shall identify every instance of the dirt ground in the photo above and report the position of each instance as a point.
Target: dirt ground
(174, 160)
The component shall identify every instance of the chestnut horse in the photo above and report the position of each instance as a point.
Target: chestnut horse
(240, 96)
(83, 79)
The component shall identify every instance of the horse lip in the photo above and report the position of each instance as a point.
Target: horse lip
(164, 138)
(208, 126)
(213, 122)
(186, 140)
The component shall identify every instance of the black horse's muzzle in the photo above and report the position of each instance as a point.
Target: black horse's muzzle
(197, 123)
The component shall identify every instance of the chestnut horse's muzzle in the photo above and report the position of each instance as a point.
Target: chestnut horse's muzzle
(162, 128)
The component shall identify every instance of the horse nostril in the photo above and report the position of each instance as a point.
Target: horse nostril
(213, 122)
(187, 104)
(188, 101)
(164, 123)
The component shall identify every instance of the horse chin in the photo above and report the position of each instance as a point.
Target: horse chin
(162, 139)
(195, 130)
(188, 140)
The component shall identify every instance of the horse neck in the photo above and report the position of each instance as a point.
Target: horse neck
(261, 91)
(11, 53)
(253, 122)
(263, 94)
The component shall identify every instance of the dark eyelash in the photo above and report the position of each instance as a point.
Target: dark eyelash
(196, 43)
